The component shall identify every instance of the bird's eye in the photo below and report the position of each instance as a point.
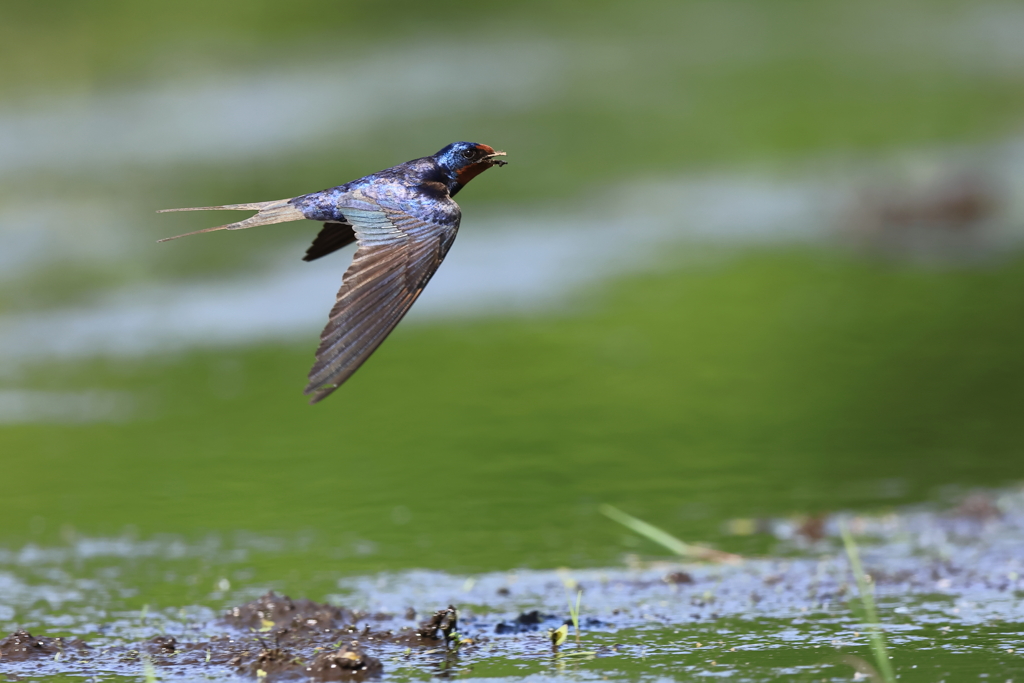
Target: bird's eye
(467, 154)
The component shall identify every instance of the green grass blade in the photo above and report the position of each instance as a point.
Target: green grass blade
(575, 614)
(868, 597)
(666, 539)
(148, 670)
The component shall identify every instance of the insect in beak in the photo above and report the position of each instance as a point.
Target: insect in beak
(496, 162)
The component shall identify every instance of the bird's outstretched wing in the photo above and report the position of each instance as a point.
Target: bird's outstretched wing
(396, 258)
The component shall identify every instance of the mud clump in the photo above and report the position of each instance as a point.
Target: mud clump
(301, 638)
(270, 663)
(346, 663)
(679, 578)
(276, 609)
(306, 624)
(22, 645)
(444, 620)
(281, 639)
(273, 638)
(162, 645)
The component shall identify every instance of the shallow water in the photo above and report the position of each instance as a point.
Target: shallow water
(949, 587)
(210, 481)
(686, 296)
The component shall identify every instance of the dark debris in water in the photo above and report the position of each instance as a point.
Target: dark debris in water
(347, 662)
(526, 621)
(948, 585)
(280, 609)
(273, 637)
(269, 663)
(22, 645)
(444, 621)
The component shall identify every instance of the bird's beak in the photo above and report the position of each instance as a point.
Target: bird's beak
(496, 162)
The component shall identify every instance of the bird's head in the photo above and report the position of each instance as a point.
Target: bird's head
(463, 161)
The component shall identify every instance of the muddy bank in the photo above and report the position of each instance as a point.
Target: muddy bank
(276, 637)
(273, 637)
(948, 585)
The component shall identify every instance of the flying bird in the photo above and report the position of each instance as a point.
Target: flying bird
(404, 220)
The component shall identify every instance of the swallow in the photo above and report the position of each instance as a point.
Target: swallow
(404, 220)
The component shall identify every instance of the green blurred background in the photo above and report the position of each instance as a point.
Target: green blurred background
(867, 357)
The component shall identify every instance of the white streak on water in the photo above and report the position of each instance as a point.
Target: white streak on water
(528, 259)
(79, 232)
(232, 117)
(521, 262)
(22, 406)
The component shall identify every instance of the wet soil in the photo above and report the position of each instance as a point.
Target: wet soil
(22, 645)
(949, 589)
(273, 637)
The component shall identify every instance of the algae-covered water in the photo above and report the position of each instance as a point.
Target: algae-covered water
(948, 589)
(753, 270)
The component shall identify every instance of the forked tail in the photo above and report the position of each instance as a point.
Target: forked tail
(280, 211)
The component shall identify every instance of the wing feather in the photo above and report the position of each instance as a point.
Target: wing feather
(397, 256)
(332, 237)
(358, 347)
